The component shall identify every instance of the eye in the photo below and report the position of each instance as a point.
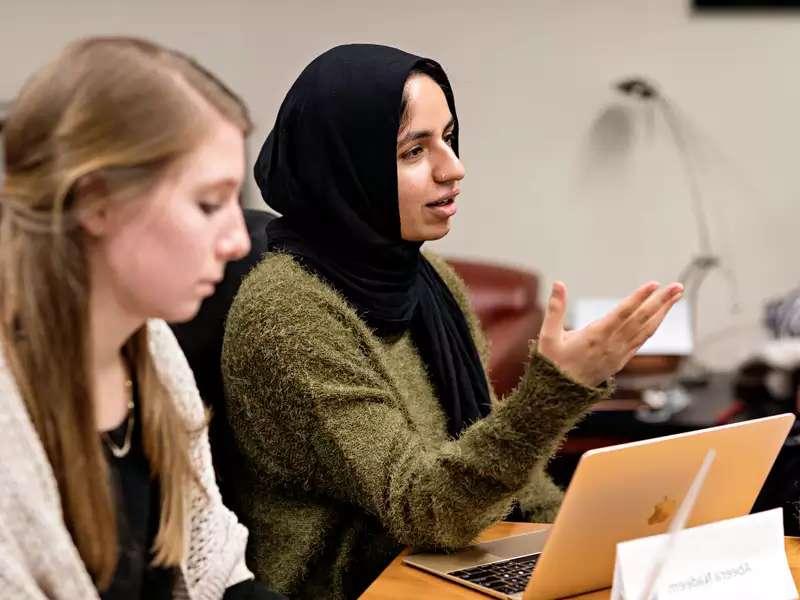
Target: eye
(208, 207)
(412, 152)
(449, 138)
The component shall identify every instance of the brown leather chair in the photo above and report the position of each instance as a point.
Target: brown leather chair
(506, 300)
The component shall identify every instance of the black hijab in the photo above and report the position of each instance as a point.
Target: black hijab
(329, 167)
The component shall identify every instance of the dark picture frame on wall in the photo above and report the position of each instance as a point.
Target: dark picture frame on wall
(745, 4)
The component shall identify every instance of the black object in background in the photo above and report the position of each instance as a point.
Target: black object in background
(201, 341)
(745, 4)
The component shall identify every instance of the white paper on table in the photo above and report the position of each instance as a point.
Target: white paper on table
(673, 337)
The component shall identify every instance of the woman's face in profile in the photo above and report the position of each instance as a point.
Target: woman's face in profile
(428, 170)
(162, 252)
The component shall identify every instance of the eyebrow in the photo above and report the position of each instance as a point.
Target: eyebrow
(222, 184)
(422, 133)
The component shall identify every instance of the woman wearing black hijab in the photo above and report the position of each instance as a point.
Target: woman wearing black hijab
(353, 365)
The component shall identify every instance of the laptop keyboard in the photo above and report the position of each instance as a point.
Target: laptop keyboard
(507, 576)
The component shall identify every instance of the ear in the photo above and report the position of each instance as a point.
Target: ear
(91, 205)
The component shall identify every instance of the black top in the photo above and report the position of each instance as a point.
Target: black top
(137, 497)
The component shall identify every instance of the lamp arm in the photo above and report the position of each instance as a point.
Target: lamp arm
(701, 219)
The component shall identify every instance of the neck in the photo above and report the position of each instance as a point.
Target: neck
(110, 327)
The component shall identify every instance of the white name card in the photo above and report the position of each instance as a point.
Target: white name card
(736, 559)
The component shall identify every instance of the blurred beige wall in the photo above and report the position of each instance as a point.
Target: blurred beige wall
(599, 203)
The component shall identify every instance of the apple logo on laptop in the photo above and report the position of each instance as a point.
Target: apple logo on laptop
(662, 511)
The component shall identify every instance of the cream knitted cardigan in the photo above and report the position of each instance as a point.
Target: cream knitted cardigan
(38, 559)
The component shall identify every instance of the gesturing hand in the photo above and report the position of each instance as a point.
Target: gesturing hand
(593, 354)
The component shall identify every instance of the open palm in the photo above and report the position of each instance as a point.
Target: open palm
(593, 354)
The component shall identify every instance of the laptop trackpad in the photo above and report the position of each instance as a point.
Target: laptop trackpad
(516, 545)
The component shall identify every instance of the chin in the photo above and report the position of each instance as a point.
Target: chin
(437, 234)
(183, 313)
(427, 234)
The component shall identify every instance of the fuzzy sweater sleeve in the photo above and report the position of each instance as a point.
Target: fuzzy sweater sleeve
(539, 498)
(311, 404)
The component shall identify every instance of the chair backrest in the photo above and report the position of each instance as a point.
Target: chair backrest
(201, 341)
(506, 301)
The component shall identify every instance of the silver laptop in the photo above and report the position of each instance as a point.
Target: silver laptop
(616, 494)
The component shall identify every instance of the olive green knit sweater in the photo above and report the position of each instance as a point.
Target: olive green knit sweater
(344, 446)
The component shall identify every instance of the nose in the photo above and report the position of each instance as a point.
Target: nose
(234, 241)
(449, 167)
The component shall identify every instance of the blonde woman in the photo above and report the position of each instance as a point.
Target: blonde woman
(119, 208)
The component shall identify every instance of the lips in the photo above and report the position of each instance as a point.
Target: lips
(443, 202)
(444, 207)
(206, 287)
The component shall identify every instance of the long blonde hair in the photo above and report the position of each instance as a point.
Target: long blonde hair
(123, 110)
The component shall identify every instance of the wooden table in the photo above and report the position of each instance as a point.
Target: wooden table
(399, 581)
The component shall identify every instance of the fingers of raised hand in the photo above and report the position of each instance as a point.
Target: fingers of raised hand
(645, 325)
(553, 324)
(626, 309)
